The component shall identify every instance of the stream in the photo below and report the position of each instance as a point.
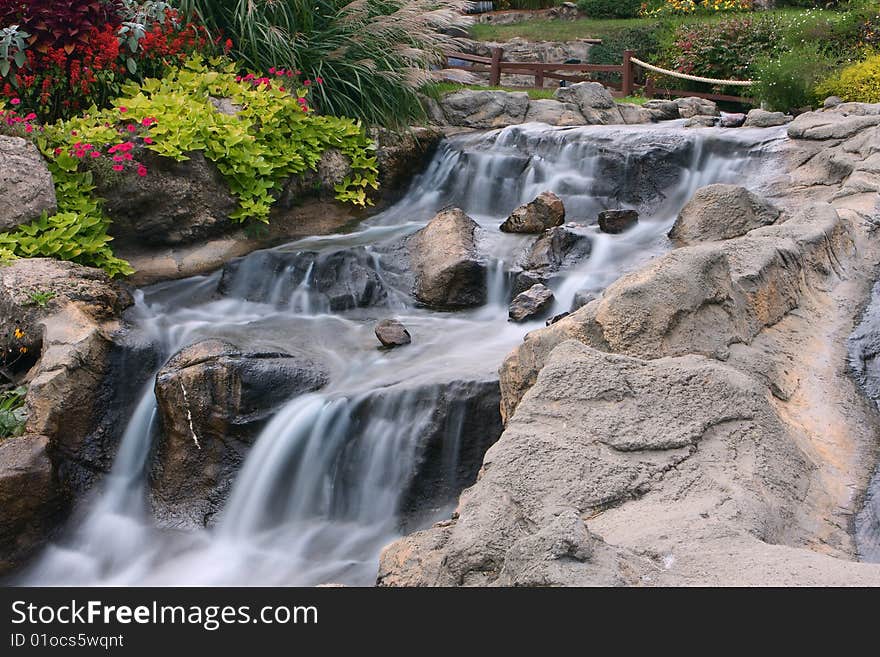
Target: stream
(337, 474)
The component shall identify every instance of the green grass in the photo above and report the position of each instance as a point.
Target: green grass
(443, 88)
(593, 28)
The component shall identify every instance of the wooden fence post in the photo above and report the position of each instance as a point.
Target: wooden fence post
(495, 71)
(627, 87)
(539, 76)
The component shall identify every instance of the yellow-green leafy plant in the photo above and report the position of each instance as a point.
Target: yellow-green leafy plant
(859, 82)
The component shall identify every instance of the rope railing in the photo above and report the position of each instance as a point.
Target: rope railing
(692, 78)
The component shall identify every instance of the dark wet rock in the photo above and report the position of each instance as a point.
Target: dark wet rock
(448, 270)
(392, 333)
(26, 186)
(617, 221)
(732, 120)
(556, 318)
(531, 304)
(662, 110)
(582, 298)
(556, 248)
(30, 498)
(523, 280)
(213, 398)
(546, 211)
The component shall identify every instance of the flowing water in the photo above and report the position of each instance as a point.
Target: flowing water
(330, 479)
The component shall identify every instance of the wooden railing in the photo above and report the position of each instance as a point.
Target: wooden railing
(495, 66)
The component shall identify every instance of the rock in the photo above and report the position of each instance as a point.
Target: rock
(732, 120)
(212, 400)
(831, 124)
(531, 304)
(225, 106)
(26, 186)
(832, 101)
(29, 496)
(523, 280)
(758, 118)
(553, 112)
(555, 248)
(392, 333)
(546, 211)
(177, 203)
(721, 212)
(485, 109)
(662, 110)
(582, 298)
(448, 270)
(701, 121)
(331, 169)
(635, 114)
(557, 318)
(617, 221)
(693, 106)
(594, 101)
(402, 154)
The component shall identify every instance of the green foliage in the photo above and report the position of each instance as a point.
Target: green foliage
(39, 298)
(787, 82)
(13, 414)
(267, 142)
(643, 39)
(610, 8)
(859, 82)
(374, 54)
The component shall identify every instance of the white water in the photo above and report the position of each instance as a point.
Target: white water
(321, 489)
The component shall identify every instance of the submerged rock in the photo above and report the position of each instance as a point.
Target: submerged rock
(531, 304)
(26, 186)
(212, 399)
(392, 333)
(720, 212)
(546, 211)
(617, 221)
(448, 270)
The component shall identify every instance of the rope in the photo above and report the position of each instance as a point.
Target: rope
(693, 78)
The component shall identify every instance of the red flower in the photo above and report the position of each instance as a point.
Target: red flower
(118, 167)
(142, 171)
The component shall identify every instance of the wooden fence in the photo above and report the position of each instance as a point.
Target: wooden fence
(495, 66)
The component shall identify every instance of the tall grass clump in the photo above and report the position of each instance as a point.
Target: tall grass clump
(373, 55)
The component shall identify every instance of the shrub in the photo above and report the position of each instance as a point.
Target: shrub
(645, 41)
(788, 82)
(610, 8)
(274, 136)
(81, 53)
(859, 82)
(374, 54)
(726, 49)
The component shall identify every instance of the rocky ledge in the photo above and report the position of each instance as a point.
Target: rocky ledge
(695, 424)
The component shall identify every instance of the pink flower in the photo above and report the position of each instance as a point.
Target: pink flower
(147, 140)
(282, 89)
(131, 128)
(142, 171)
(80, 153)
(29, 128)
(319, 80)
(123, 109)
(30, 117)
(272, 70)
(58, 151)
(307, 82)
(73, 132)
(15, 101)
(96, 154)
(118, 167)
(128, 156)
(147, 122)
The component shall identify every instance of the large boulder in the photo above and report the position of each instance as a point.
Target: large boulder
(758, 118)
(212, 400)
(662, 110)
(485, 109)
(531, 304)
(176, 203)
(837, 123)
(546, 211)
(594, 101)
(448, 270)
(29, 496)
(694, 106)
(721, 212)
(26, 187)
(402, 154)
(554, 112)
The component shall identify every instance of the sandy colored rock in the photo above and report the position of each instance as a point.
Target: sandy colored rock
(720, 212)
(546, 211)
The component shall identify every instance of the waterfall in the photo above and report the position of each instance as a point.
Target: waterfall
(387, 446)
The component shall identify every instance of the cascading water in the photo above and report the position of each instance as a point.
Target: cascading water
(393, 438)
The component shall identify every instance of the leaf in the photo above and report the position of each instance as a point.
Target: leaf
(131, 65)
